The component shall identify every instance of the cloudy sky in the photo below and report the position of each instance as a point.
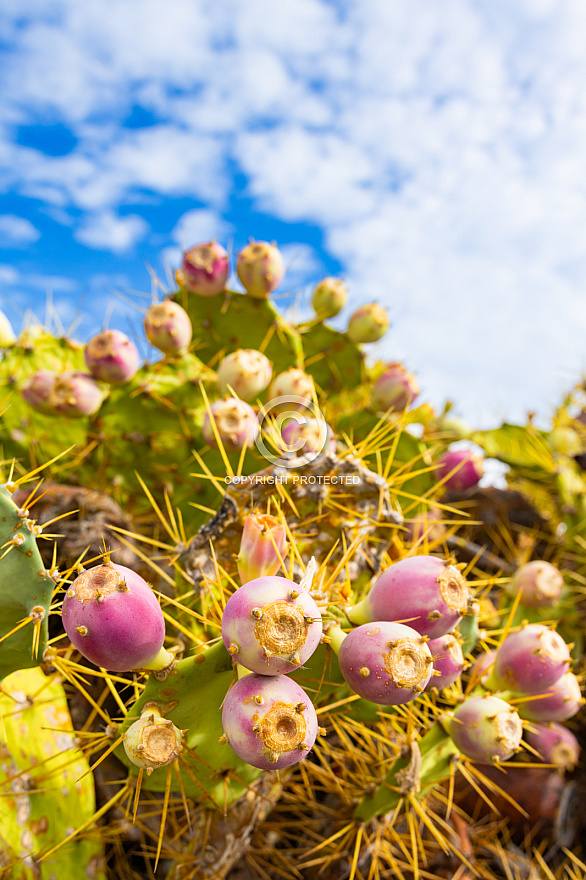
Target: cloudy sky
(431, 152)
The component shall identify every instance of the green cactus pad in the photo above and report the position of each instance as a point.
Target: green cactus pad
(332, 360)
(26, 588)
(44, 792)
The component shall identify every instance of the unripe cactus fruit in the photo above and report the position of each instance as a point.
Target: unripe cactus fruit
(555, 744)
(37, 391)
(448, 661)
(329, 298)
(292, 383)
(235, 422)
(385, 662)
(395, 389)
(529, 660)
(112, 357)
(152, 741)
(260, 268)
(307, 438)
(72, 393)
(269, 721)
(246, 371)
(422, 591)
(204, 270)
(369, 323)
(558, 702)
(540, 584)
(464, 467)
(263, 546)
(486, 729)
(271, 625)
(113, 618)
(168, 327)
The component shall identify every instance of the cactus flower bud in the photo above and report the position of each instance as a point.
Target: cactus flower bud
(236, 424)
(204, 270)
(540, 583)
(529, 660)
(485, 729)
(260, 268)
(395, 389)
(269, 721)
(421, 590)
(112, 357)
(369, 323)
(329, 298)
(555, 744)
(271, 625)
(558, 702)
(152, 741)
(263, 546)
(168, 327)
(113, 618)
(246, 371)
(461, 468)
(448, 661)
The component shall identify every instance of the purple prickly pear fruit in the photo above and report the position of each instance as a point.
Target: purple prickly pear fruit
(260, 268)
(448, 661)
(486, 729)
(168, 327)
(292, 383)
(112, 357)
(307, 437)
(395, 389)
(460, 469)
(529, 660)
(152, 741)
(236, 424)
(558, 702)
(271, 625)
(204, 270)
(385, 662)
(555, 744)
(38, 390)
(423, 591)
(263, 546)
(540, 584)
(269, 721)
(329, 298)
(369, 323)
(246, 371)
(481, 666)
(113, 618)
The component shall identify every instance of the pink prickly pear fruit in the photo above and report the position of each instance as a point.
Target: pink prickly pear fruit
(271, 626)
(246, 371)
(263, 546)
(369, 323)
(460, 469)
(292, 383)
(260, 268)
(555, 744)
(307, 437)
(168, 327)
(486, 729)
(448, 661)
(76, 394)
(38, 391)
(235, 422)
(423, 591)
(204, 270)
(560, 701)
(540, 584)
(395, 389)
(112, 357)
(329, 298)
(113, 618)
(385, 662)
(152, 741)
(269, 721)
(529, 660)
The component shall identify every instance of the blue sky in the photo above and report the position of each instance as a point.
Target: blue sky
(432, 152)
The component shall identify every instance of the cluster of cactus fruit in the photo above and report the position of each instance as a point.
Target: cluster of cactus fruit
(336, 608)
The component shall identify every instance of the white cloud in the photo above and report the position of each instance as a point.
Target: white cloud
(17, 231)
(200, 225)
(106, 231)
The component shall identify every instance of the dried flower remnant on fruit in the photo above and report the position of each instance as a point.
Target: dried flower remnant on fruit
(152, 741)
